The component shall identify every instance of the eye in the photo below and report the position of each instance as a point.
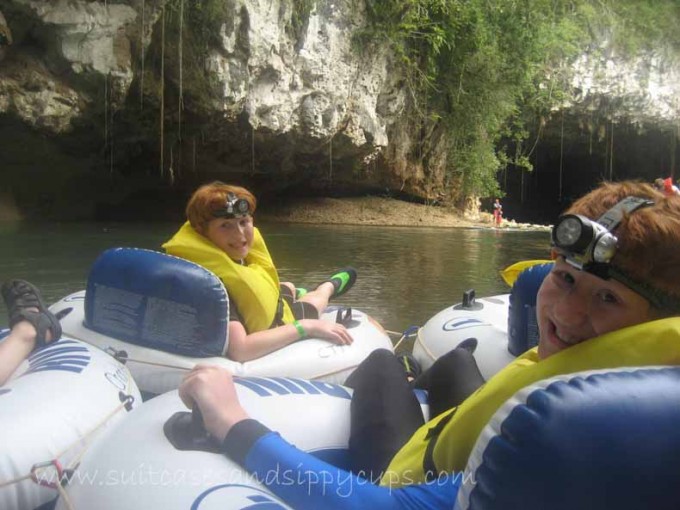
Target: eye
(607, 297)
(564, 278)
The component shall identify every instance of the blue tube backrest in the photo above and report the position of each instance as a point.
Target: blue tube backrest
(606, 439)
(158, 301)
(522, 326)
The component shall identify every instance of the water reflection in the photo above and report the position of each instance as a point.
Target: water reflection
(405, 274)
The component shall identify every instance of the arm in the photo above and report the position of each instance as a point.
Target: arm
(245, 347)
(305, 482)
(300, 479)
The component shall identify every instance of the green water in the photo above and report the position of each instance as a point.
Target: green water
(406, 275)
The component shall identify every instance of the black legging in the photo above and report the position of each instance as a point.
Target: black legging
(385, 412)
(450, 380)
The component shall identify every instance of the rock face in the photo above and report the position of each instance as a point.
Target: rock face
(61, 48)
(5, 36)
(263, 91)
(297, 100)
(645, 90)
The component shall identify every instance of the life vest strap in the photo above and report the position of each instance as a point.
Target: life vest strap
(429, 467)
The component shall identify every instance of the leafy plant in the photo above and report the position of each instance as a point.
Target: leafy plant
(492, 70)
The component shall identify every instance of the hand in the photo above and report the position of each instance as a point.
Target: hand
(212, 390)
(336, 333)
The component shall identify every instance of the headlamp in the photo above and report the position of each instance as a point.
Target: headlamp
(584, 242)
(234, 207)
(590, 246)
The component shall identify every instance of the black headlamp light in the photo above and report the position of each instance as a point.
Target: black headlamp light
(590, 246)
(234, 207)
(584, 242)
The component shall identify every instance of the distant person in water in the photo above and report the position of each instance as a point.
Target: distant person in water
(265, 314)
(497, 213)
(32, 325)
(666, 186)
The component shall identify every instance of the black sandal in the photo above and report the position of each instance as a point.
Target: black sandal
(19, 296)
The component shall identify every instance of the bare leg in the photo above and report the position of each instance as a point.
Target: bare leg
(33, 325)
(320, 296)
(16, 347)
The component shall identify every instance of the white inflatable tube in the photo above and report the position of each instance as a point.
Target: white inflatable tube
(157, 372)
(56, 404)
(136, 466)
(486, 320)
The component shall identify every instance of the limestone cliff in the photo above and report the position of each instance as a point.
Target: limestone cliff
(274, 91)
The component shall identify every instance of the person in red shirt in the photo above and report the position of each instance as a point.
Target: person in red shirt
(497, 212)
(666, 186)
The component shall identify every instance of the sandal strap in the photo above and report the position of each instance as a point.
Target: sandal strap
(42, 322)
(27, 300)
(22, 294)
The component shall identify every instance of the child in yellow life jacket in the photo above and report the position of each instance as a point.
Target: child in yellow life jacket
(220, 236)
(611, 300)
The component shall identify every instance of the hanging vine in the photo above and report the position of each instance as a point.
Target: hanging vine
(142, 56)
(180, 46)
(559, 195)
(162, 92)
(611, 153)
(252, 149)
(330, 159)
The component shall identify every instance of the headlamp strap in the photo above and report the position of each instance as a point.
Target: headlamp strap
(657, 298)
(611, 219)
(234, 207)
(230, 202)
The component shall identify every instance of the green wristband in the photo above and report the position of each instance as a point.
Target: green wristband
(301, 331)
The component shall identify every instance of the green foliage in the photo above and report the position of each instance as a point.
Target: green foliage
(490, 69)
(202, 20)
(640, 25)
(300, 16)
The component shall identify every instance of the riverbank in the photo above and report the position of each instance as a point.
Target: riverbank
(382, 211)
(369, 210)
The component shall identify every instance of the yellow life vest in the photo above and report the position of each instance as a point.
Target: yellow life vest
(512, 272)
(446, 442)
(254, 287)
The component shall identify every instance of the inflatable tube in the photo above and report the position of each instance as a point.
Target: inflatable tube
(611, 433)
(485, 319)
(60, 400)
(522, 323)
(137, 467)
(157, 372)
(504, 326)
(166, 314)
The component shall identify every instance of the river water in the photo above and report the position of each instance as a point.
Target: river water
(406, 275)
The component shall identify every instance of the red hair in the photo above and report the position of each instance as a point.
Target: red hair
(211, 197)
(648, 247)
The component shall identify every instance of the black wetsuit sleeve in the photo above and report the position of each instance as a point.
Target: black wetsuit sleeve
(305, 482)
(241, 438)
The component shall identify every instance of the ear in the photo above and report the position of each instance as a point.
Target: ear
(201, 229)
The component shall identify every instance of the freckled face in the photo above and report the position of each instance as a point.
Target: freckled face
(234, 236)
(574, 306)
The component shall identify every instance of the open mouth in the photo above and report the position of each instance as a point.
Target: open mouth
(560, 338)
